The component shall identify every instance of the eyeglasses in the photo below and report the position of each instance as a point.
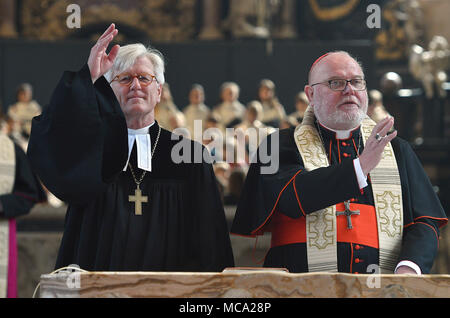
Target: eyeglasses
(339, 84)
(127, 79)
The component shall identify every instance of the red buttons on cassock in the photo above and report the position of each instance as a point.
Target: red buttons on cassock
(345, 154)
(357, 260)
(357, 247)
(344, 144)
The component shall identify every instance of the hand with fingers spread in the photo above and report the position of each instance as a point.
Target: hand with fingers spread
(99, 62)
(375, 144)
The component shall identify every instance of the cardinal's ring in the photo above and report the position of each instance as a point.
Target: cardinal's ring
(378, 137)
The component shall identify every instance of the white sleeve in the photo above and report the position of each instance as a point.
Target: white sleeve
(362, 180)
(409, 264)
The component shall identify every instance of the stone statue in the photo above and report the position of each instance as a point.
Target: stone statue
(405, 27)
(284, 25)
(430, 66)
(7, 19)
(414, 23)
(248, 19)
(211, 21)
(410, 14)
(261, 19)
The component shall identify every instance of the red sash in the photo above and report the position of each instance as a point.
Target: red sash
(286, 230)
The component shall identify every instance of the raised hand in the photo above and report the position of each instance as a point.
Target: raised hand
(375, 144)
(99, 62)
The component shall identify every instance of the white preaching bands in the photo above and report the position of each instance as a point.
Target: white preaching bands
(143, 146)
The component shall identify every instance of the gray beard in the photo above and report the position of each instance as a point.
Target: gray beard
(340, 117)
(343, 117)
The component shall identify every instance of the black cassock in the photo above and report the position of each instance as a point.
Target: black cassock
(79, 147)
(265, 195)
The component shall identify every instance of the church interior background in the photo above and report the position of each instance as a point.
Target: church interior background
(403, 45)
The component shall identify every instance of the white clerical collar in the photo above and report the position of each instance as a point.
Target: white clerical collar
(143, 146)
(340, 134)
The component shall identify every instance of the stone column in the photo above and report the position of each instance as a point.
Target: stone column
(7, 18)
(211, 21)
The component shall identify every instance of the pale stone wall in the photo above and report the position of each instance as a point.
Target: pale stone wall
(436, 16)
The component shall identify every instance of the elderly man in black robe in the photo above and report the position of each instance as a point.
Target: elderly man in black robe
(98, 147)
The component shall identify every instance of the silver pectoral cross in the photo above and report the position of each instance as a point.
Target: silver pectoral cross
(348, 213)
(138, 199)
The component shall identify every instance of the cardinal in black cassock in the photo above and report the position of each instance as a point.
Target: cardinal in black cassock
(267, 200)
(280, 202)
(79, 147)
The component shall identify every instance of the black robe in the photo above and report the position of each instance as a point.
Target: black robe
(79, 146)
(266, 194)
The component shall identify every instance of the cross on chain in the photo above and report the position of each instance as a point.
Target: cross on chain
(138, 199)
(348, 213)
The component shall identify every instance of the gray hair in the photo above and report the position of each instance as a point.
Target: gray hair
(127, 56)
